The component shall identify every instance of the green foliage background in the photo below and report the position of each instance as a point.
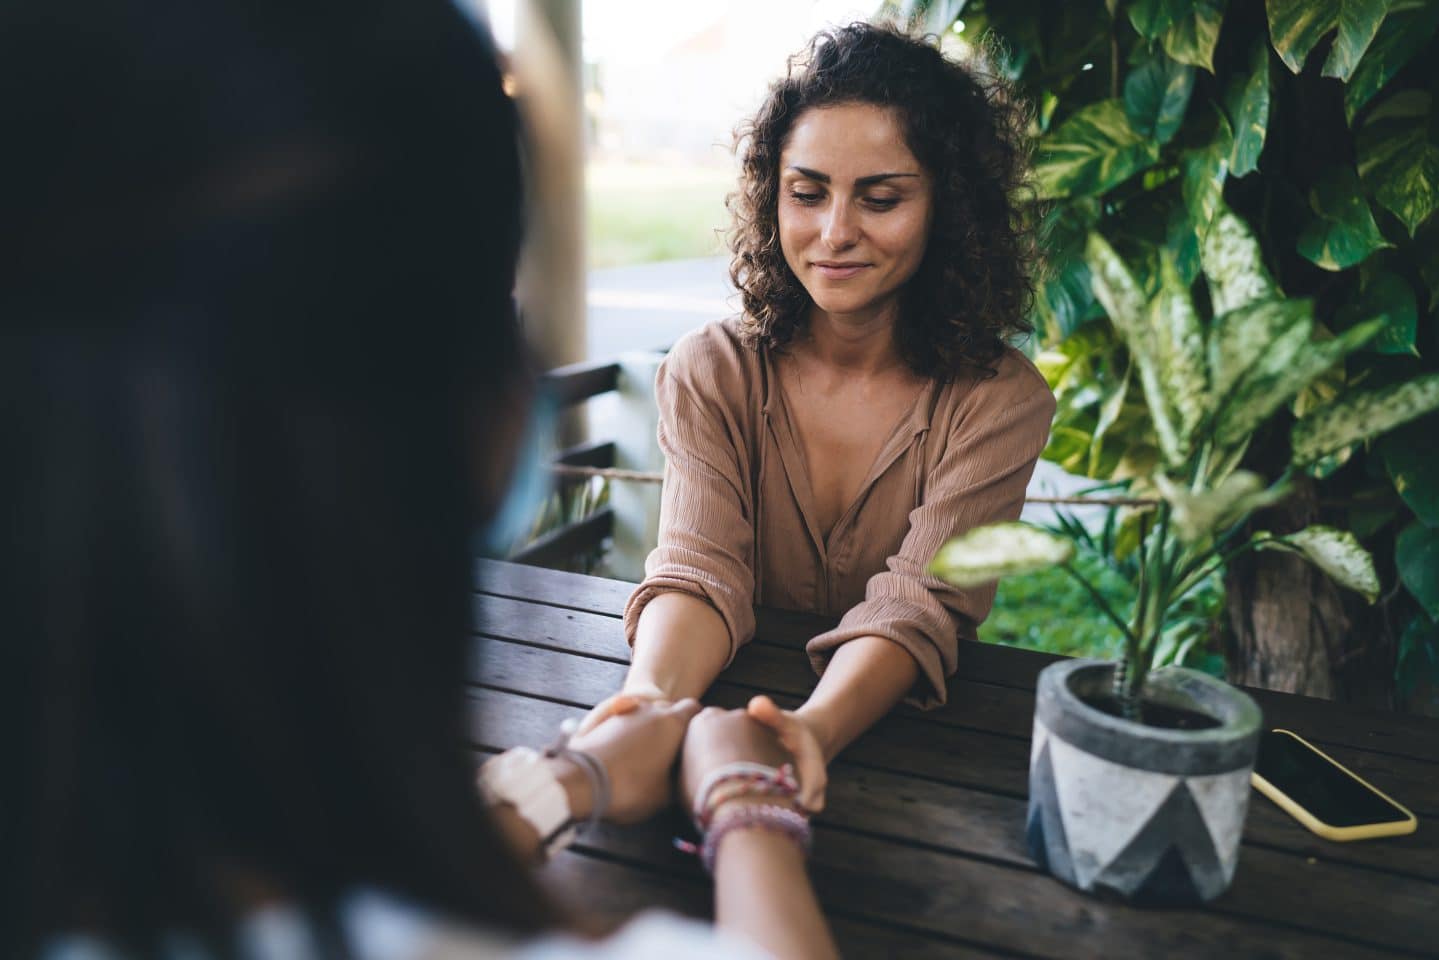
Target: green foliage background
(1317, 122)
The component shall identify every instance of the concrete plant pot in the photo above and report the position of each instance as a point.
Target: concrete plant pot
(1140, 813)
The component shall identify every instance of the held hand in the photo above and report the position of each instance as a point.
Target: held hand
(717, 737)
(620, 703)
(799, 739)
(637, 744)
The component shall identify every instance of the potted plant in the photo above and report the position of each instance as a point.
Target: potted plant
(1139, 779)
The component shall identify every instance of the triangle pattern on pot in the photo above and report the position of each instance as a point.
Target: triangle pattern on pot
(1043, 828)
(1223, 799)
(1148, 870)
(1103, 804)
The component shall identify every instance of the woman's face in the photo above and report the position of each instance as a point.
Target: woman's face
(854, 208)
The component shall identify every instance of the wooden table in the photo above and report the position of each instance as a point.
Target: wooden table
(920, 852)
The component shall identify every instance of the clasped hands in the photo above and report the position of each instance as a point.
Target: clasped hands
(637, 736)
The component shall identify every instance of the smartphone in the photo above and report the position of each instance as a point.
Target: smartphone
(1326, 797)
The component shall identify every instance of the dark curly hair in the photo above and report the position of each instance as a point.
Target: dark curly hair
(975, 285)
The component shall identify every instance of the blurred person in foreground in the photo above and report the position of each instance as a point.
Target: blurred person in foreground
(259, 350)
(865, 407)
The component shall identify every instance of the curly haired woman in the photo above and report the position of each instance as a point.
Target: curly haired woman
(865, 407)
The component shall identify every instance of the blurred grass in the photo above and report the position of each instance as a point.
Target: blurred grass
(645, 213)
(1050, 611)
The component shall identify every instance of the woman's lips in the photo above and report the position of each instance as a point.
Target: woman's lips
(839, 271)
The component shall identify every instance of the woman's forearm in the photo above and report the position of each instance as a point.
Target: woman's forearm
(865, 678)
(762, 893)
(681, 644)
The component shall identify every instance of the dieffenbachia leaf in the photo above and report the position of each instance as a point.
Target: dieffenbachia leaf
(1239, 339)
(1295, 26)
(1247, 103)
(1092, 151)
(985, 554)
(1179, 345)
(1064, 298)
(1155, 96)
(1270, 383)
(1204, 171)
(1404, 33)
(1234, 265)
(1191, 37)
(1199, 516)
(1387, 297)
(1334, 551)
(1361, 414)
(1341, 231)
(1128, 309)
(1399, 160)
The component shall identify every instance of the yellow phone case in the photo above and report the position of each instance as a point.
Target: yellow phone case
(1362, 831)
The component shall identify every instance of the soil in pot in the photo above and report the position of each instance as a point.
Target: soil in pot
(1155, 714)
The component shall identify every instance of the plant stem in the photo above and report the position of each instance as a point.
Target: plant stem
(1103, 604)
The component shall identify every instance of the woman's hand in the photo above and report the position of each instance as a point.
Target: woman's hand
(621, 702)
(717, 737)
(799, 738)
(637, 744)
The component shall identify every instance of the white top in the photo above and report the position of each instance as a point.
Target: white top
(380, 927)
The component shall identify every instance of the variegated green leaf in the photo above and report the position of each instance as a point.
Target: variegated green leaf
(1234, 265)
(1199, 516)
(1108, 413)
(1334, 551)
(1179, 343)
(1156, 95)
(1403, 34)
(1241, 338)
(1247, 103)
(1117, 290)
(1204, 172)
(1341, 231)
(1385, 296)
(1359, 415)
(1191, 38)
(1295, 26)
(1269, 384)
(985, 554)
(1092, 151)
(1151, 18)
(1124, 301)
(1358, 22)
(1398, 159)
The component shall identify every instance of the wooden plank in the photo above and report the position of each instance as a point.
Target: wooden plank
(564, 542)
(966, 759)
(1320, 720)
(612, 891)
(579, 381)
(1015, 906)
(973, 705)
(588, 455)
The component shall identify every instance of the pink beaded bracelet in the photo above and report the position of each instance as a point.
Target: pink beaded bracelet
(782, 820)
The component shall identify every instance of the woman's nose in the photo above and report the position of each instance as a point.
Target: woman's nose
(840, 229)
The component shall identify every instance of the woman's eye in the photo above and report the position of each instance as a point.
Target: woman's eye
(799, 196)
(882, 203)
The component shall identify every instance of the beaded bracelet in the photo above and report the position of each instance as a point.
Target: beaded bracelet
(740, 779)
(594, 771)
(778, 819)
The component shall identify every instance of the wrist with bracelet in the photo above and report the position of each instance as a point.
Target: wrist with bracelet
(737, 796)
(526, 779)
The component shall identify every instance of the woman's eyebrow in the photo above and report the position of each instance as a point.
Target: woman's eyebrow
(873, 178)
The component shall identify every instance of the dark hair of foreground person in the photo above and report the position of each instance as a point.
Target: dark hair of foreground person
(974, 287)
(254, 287)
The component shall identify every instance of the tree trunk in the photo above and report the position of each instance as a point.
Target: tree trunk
(1292, 629)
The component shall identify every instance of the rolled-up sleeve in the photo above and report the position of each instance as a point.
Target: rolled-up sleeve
(981, 476)
(706, 531)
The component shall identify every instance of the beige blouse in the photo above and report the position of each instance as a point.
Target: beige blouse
(736, 515)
